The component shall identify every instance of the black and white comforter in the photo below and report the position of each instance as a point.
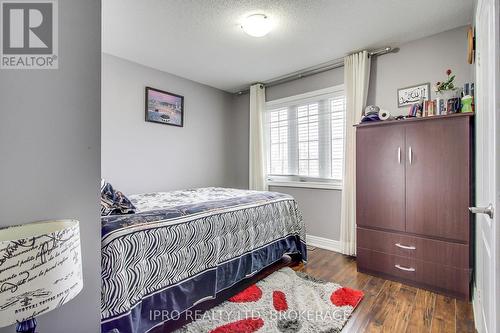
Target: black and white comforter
(182, 247)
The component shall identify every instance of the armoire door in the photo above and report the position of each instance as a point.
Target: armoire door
(380, 179)
(437, 178)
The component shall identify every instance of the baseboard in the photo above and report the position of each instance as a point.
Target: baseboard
(323, 243)
(477, 313)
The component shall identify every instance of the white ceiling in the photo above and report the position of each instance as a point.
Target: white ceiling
(202, 40)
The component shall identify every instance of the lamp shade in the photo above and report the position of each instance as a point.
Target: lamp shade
(40, 268)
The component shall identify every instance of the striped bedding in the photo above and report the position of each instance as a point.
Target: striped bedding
(183, 247)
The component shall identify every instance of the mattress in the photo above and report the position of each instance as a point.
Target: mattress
(183, 247)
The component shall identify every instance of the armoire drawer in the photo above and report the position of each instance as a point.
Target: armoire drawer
(424, 249)
(450, 280)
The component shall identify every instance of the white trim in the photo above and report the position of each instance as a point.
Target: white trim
(323, 243)
(477, 312)
(324, 159)
(311, 94)
(318, 185)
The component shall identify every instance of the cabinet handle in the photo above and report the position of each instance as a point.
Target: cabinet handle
(407, 269)
(406, 247)
(399, 155)
(410, 155)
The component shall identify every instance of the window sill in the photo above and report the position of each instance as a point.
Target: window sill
(317, 185)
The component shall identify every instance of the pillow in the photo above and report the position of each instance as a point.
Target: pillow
(114, 202)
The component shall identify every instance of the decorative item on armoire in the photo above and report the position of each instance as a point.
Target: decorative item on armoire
(40, 270)
(371, 113)
(453, 105)
(414, 94)
(440, 106)
(416, 110)
(468, 97)
(371, 109)
(447, 91)
(429, 108)
(385, 115)
(467, 101)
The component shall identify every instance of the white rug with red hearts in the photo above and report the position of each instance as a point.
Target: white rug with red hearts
(284, 302)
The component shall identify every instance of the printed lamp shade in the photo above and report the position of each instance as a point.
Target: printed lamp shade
(40, 268)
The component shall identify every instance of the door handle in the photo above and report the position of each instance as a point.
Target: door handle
(410, 155)
(483, 210)
(406, 247)
(407, 269)
(399, 155)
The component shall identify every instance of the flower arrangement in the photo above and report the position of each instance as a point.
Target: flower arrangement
(446, 85)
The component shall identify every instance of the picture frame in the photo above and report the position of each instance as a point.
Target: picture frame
(412, 94)
(164, 107)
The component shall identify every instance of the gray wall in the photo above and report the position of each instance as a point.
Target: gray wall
(310, 83)
(49, 148)
(320, 209)
(421, 61)
(424, 60)
(239, 136)
(140, 156)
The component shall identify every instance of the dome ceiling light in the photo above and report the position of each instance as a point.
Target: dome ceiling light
(257, 25)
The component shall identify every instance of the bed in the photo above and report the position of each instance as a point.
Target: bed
(181, 248)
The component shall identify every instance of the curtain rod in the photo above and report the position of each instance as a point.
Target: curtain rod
(326, 66)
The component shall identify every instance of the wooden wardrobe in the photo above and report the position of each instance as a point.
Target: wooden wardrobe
(413, 191)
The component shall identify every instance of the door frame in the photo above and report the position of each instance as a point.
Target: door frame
(496, 219)
(477, 309)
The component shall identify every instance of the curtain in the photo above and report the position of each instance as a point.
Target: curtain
(356, 80)
(257, 173)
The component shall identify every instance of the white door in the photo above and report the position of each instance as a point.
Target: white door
(486, 305)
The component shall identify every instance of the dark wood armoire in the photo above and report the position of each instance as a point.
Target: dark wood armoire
(413, 191)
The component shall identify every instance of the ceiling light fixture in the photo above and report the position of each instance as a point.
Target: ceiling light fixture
(257, 25)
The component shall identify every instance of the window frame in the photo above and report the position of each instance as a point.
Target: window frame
(297, 180)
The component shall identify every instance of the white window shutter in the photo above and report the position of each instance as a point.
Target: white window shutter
(305, 137)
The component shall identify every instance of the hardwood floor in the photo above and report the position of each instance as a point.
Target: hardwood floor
(389, 306)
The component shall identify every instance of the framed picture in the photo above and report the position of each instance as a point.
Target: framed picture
(164, 107)
(413, 94)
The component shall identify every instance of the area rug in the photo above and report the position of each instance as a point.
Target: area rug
(284, 302)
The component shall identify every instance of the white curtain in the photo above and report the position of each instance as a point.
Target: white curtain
(356, 79)
(257, 164)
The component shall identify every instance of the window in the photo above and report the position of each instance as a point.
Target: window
(305, 138)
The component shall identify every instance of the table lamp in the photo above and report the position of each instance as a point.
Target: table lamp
(40, 270)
